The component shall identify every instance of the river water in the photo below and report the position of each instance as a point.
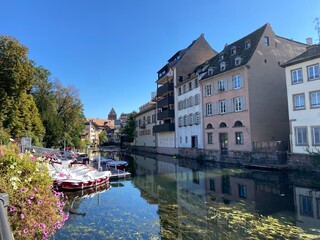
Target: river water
(169, 198)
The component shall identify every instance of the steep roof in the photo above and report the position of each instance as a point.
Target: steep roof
(312, 52)
(243, 52)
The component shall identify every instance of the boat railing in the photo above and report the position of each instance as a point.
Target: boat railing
(5, 231)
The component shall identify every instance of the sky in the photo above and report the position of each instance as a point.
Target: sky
(112, 50)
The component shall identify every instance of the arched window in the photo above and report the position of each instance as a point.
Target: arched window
(238, 124)
(209, 126)
(223, 125)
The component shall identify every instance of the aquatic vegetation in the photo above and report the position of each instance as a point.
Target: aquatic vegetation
(36, 210)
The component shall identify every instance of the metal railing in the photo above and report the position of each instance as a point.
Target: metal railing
(5, 231)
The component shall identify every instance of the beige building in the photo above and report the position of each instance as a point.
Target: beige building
(145, 121)
(244, 93)
(303, 86)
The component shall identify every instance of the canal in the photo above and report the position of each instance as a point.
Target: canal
(169, 198)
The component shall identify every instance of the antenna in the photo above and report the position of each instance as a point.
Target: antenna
(317, 27)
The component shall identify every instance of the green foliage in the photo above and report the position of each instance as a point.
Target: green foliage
(35, 210)
(314, 156)
(103, 137)
(130, 128)
(19, 114)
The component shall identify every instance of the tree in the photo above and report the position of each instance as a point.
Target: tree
(19, 115)
(103, 137)
(130, 128)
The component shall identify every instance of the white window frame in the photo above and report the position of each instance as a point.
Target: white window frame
(221, 85)
(296, 76)
(210, 138)
(233, 50)
(209, 109)
(239, 138)
(238, 104)
(247, 44)
(236, 81)
(301, 136)
(222, 106)
(313, 72)
(208, 89)
(298, 99)
(315, 130)
(222, 66)
(315, 99)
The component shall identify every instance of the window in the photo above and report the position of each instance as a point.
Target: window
(148, 119)
(221, 85)
(184, 88)
(223, 125)
(210, 139)
(237, 61)
(248, 44)
(210, 71)
(190, 86)
(236, 80)
(180, 139)
(296, 76)
(238, 124)
(243, 191)
(196, 83)
(298, 102)
(208, 90)
(301, 135)
(153, 118)
(197, 118)
(190, 99)
(316, 136)
(313, 72)
(306, 208)
(209, 126)
(180, 121)
(221, 57)
(185, 120)
(238, 103)
(223, 106)
(190, 119)
(233, 50)
(315, 99)
(222, 66)
(180, 90)
(197, 99)
(266, 41)
(239, 138)
(208, 109)
(186, 139)
(212, 184)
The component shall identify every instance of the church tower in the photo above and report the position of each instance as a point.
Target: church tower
(112, 115)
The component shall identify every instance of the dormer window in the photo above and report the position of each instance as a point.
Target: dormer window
(237, 61)
(233, 50)
(222, 66)
(221, 56)
(210, 71)
(248, 44)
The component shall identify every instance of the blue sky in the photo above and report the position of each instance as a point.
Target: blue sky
(111, 50)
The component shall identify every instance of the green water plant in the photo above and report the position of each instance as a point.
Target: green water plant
(35, 209)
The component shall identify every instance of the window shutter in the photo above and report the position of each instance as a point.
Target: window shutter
(241, 81)
(243, 103)
(229, 84)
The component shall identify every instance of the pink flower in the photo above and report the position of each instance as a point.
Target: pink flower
(51, 186)
(22, 216)
(23, 190)
(40, 201)
(25, 230)
(29, 201)
(58, 225)
(12, 208)
(31, 196)
(32, 158)
(61, 174)
(35, 189)
(41, 225)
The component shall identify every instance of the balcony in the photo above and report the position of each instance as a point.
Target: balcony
(166, 102)
(165, 114)
(166, 127)
(164, 89)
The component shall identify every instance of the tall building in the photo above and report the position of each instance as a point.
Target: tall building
(303, 86)
(112, 115)
(244, 93)
(175, 71)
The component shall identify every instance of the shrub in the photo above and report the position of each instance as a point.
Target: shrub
(35, 210)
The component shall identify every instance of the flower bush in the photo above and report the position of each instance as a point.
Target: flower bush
(36, 209)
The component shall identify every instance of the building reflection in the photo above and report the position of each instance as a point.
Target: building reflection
(187, 195)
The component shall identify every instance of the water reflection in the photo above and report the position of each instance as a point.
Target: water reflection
(171, 198)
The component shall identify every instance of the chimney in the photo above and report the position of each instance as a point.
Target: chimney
(309, 41)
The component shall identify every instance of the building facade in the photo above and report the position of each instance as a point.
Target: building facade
(244, 93)
(175, 72)
(303, 86)
(145, 121)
